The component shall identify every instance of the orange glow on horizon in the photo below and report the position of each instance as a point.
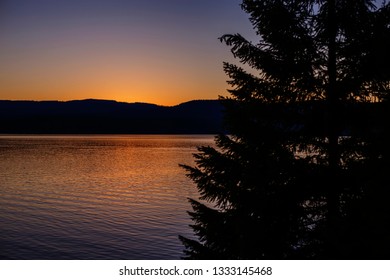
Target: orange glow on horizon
(141, 76)
(160, 91)
(70, 51)
(163, 82)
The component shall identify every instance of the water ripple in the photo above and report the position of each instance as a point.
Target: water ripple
(96, 197)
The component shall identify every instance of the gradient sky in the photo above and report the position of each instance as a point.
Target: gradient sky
(156, 51)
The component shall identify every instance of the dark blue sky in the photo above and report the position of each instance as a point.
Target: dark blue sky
(160, 51)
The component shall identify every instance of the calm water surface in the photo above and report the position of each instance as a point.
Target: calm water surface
(95, 197)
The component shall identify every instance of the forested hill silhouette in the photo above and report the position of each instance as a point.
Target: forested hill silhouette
(193, 117)
(105, 116)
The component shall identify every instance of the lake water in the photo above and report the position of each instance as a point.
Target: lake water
(95, 197)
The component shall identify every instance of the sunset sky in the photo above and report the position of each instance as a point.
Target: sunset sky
(156, 51)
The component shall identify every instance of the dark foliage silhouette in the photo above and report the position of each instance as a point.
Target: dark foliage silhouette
(302, 172)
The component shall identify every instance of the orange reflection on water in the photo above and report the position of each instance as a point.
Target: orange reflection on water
(108, 196)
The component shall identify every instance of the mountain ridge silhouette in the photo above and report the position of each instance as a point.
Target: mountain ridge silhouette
(108, 116)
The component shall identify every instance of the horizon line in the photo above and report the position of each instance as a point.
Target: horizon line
(106, 100)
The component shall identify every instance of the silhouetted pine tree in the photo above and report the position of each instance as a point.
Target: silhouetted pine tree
(301, 171)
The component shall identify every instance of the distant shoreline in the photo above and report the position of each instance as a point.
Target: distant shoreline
(104, 100)
(22, 135)
(109, 117)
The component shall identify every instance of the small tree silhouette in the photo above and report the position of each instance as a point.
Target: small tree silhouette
(300, 172)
